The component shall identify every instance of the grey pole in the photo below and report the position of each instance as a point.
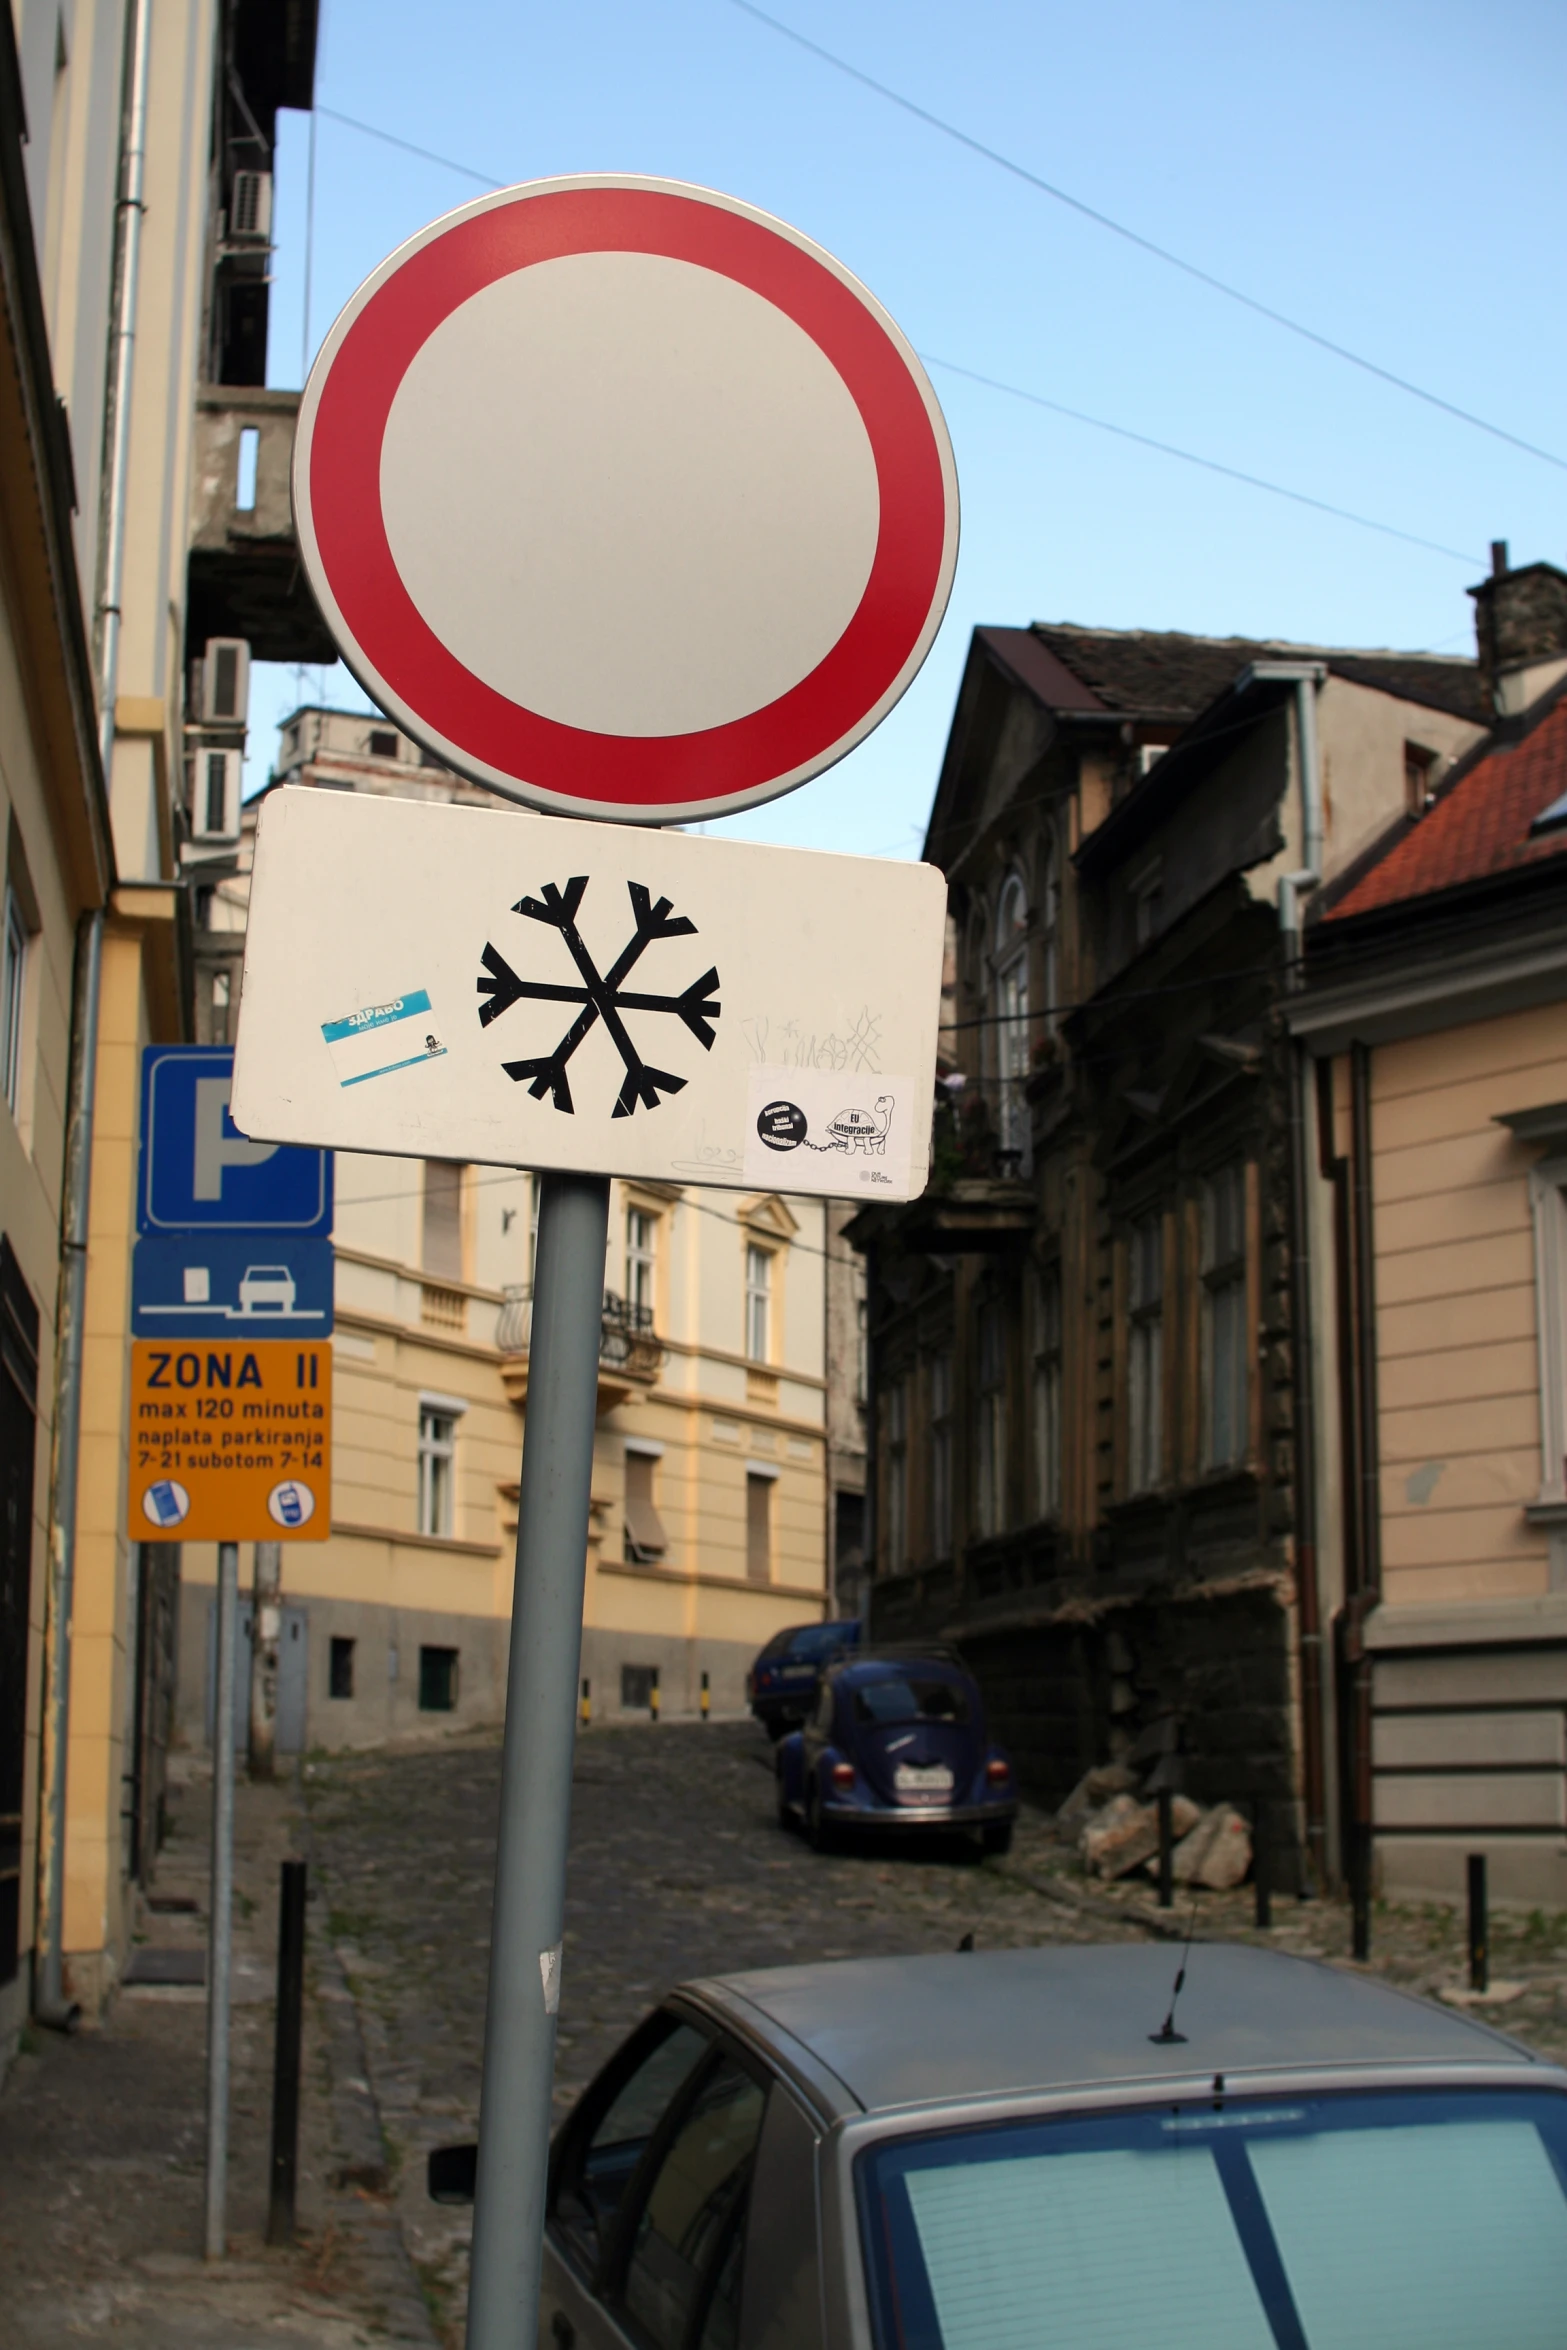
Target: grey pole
(530, 1869)
(220, 1921)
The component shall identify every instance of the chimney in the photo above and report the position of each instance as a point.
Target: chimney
(1520, 631)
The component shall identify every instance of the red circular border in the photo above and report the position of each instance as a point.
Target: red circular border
(721, 762)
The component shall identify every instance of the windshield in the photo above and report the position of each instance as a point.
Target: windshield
(1421, 2220)
(909, 1700)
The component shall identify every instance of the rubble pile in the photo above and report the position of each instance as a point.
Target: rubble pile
(1117, 1833)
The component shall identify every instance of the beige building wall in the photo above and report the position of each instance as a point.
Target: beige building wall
(1469, 1643)
(692, 1418)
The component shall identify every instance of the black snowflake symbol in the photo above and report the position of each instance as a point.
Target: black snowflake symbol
(601, 998)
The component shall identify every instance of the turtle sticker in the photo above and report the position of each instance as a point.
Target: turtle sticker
(840, 1135)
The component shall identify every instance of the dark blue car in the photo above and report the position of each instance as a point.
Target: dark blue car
(781, 1686)
(896, 1742)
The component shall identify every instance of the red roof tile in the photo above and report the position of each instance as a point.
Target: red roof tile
(1478, 828)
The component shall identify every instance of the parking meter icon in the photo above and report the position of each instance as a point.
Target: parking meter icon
(291, 1504)
(166, 1503)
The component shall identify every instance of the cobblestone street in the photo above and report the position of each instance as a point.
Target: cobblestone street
(678, 1868)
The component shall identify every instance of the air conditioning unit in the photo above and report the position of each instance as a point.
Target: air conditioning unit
(225, 682)
(215, 784)
(250, 212)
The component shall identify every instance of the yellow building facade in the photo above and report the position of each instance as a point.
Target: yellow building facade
(711, 1501)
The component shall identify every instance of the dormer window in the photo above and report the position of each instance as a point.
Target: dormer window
(1420, 767)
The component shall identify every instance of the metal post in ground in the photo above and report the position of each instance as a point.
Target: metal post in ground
(1261, 1869)
(220, 1917)
(652, 1695)
(586, 1712)
(1479, 1926)
(1166, 1848)
(530, 1872)
(1360, 1892)
(707, 1697)
(288, 2032)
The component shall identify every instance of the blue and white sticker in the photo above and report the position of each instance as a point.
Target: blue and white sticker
(383, 1037)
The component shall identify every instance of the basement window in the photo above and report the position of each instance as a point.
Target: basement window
(437, 1680)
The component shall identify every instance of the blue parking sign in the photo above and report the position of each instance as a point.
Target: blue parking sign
(200, 1174)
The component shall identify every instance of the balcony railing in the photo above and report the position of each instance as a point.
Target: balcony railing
(627, 1346)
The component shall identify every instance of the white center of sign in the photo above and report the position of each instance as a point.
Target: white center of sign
(606, 528)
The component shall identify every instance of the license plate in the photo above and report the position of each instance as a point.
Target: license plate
(922, 1779)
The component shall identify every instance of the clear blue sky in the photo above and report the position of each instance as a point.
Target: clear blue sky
(1388, 172)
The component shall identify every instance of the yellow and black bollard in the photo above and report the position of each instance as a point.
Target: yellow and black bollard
(585, 1704)
(706, 1698)
(652, 1694)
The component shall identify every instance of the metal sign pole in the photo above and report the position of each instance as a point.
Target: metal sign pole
(530, 1871)
(220, 1920)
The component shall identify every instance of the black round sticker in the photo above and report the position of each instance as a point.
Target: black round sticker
(782, 1126)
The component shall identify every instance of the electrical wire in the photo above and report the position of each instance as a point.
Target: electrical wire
(1133, 236)
(1123, 432)
(1189, 457)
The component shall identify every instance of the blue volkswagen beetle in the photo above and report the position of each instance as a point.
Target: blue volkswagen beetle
(896, 1742)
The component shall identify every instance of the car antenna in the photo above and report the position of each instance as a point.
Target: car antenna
(1167, 2035)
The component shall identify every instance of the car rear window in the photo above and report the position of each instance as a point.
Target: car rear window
(816, 1642)
(910, 1700)
(1421, 2220)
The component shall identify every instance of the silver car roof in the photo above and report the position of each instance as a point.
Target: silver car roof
(899, 2032)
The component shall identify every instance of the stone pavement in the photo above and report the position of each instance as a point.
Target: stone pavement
(678, 1868)
(103, 2135)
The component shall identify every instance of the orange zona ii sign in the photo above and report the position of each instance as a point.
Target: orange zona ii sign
(231, 1442)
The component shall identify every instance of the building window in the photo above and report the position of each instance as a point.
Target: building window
(442, 1235)
(340, 1669)
(1011, 1020)
(13, 984)
(758, 1295)
(862, 1352)
(897, 1479)
(383, 743)
(646, 1540)
(637, 1684)
(1047, 1391)
(990, 1451)
(1145, 1365)
(941, 1455)
(1225, 1353)
(640, 1229)
(437, 1680)
(1049, 932)
(437, 1473)
(1420, 767)
(758, 1527)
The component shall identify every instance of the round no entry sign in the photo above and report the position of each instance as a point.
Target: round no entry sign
(625, 498)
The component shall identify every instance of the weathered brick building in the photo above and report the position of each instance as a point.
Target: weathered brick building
(1090, 1393)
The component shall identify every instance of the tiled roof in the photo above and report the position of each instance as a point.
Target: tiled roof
(1479, 827)
(1158, 673)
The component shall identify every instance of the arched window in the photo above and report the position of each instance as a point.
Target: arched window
(1009, 1009)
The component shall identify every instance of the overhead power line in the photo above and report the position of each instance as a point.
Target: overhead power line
(1123, 432)
(1189, 457)
(388, 139)
(1134, 236)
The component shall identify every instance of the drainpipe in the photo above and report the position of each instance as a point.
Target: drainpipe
(1306, 677)
(51, 2005)
(122, 351)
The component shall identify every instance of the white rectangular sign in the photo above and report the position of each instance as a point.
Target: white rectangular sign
(465, 983)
